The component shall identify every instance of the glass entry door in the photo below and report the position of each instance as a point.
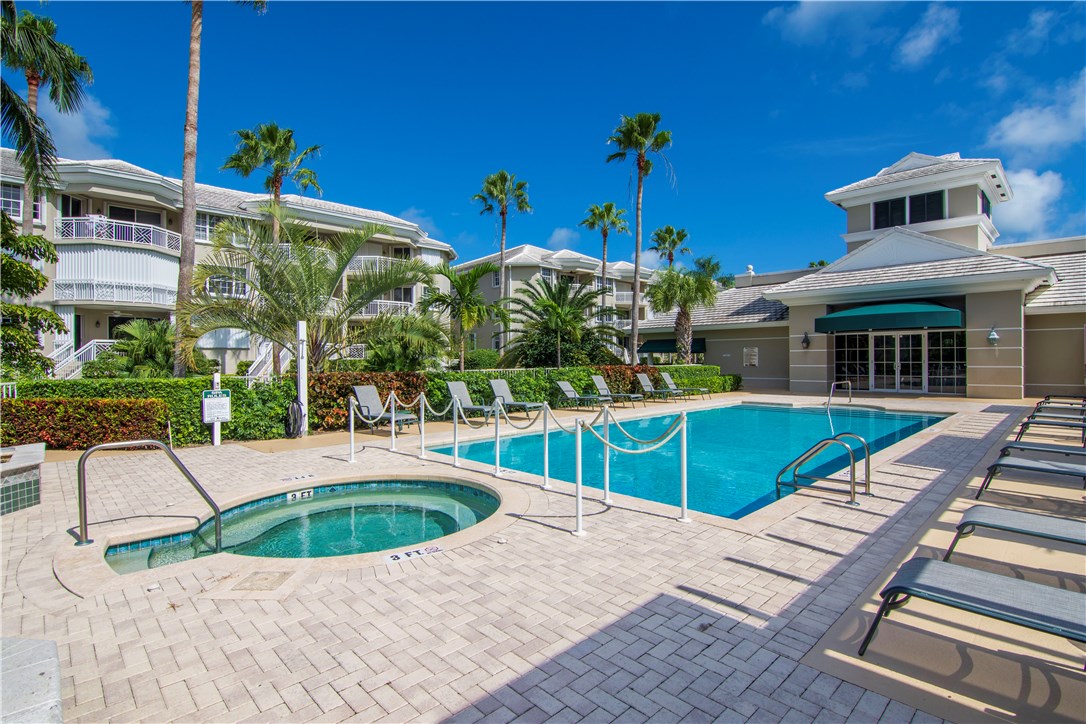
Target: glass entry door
(897, 362)
(910, 368)
(884, 362)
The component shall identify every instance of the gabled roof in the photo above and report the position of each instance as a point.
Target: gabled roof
(733, 306)
(529, 255)
(1068, 291)
(919, 166)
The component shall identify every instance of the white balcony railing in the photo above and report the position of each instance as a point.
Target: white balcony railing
(94, 290)
(622, 324)
(101, 228)
(387, 306)
(71, 365)
(380, 263)
(625, 298)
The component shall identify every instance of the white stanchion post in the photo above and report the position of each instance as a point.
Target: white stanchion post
(350, 427)
(456, 432)
(683, 516)
(301, 360)
(606, 455)
(422, 426)
(497, 438)
(578, 423)
(216, 427)
(546, 446)
(392, 426)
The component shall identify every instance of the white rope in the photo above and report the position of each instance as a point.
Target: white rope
(467, 422)
(504, 413)
(355, 409)
(563, 428)
(638, 440)
(669, 434)
(435, 413)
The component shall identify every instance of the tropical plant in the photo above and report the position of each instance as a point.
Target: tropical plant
(817, 264)
(403, 342)
(188, 164)
(144, 349)
(464, 302)
(251, 281)
(710, 267)
(667, 241)
(684, 290)
(30, 45)
(606, 218)
(638, 136)
(557, 312)
(501, 191)
(20, 351)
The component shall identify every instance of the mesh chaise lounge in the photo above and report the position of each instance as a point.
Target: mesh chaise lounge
(605, 391)
(1034, 525)
(1043, 447)
(1065, 424)
(459, 392)
(703, 391)
(581, 400)
(1075, 470)
(503, 393)
(654, 392)
(1042, 608)
(370, 405)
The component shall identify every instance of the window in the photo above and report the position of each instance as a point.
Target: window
(11, 202)
(205, 226)
(946, 362)
(139, 216)
(610, 284)
(496, 279)
(852, 359)
(222, 285)
(473, 342)
(401, 252)
(547, 274)
(70, 206)
(926, 207)
(403, 294)
(889, 213)
(985, 205)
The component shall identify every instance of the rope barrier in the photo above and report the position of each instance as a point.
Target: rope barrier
(657, 444)
(639, 441)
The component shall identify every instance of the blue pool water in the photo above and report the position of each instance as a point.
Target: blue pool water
(331, 520)
(733, 459)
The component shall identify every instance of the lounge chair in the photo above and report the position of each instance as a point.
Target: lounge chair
(580, 400)
(370, 405)
(1047, 527)
(1043, 447)
(1042, 608)
(1033, 421)
(1069, 398)
(1075, 470)
(654, 392)
(605, 391)
(503, 393)
(459, 392)
(703, 391)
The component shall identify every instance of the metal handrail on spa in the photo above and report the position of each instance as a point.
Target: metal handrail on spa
(81, 489)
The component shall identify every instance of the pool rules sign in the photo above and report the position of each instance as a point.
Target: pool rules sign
(216, 406)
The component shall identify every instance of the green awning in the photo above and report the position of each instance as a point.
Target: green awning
(661, 346)
(904, 315)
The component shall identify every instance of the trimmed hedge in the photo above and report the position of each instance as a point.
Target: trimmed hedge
(329, 391)
(259, 413)
(703, 376)
(75, 424)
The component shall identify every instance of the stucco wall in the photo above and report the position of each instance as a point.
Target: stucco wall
(859, 218)
(1054, 354)
(994, 370)
(726, 347)
(970, 236)
(963, 201)
(809, 368)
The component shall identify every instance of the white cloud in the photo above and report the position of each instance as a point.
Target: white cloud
(562, 238)
(1032, 39)
(1055, 120)
(817, 23)
(1031, 213)
(425, 221)
(938, 27)
(77, 135)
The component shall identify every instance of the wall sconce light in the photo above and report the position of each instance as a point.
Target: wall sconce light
(993, 337)
(97, 323)
(806, 341)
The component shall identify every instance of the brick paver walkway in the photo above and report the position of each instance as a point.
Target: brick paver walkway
(644, 618)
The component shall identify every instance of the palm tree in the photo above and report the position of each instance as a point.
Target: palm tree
(668, 241)
(403, 342)
(638, 135)
(710, 267)
(464, 302)
(673, 288)
(500, 191)
(30, 45)
(606, 218)
(545, 309)
(277, 282)
(146, 347)
(188, 164)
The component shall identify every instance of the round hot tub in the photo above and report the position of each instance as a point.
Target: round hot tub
(329, 520)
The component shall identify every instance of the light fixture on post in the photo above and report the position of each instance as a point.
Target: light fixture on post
(993, 337)
(806, 341)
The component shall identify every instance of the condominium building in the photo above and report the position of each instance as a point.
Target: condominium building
(117, 231)
(526, 263)
(923, 301)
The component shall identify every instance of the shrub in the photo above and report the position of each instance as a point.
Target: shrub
(703, 376)
(347, 365)
(328, 393)
(621, 380)
(244, 366)
(481, 359)
(528, 385)
(259, 413)
(74, 424)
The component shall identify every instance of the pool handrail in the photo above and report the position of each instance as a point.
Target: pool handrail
(833, 386)
(814, 450)
(81, 484)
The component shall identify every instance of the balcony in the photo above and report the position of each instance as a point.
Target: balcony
(93, 290)
(99, 228)
(622, 324)
(378, 263)
(625, 298)
(387, 306)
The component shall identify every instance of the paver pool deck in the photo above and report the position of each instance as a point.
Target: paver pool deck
(643, 618)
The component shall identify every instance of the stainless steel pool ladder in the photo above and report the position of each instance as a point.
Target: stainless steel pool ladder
(833, 386)
(814, 450)
(81, 489)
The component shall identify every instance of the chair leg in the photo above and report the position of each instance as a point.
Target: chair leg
(992, 471)
(883, 611)
(962, 533)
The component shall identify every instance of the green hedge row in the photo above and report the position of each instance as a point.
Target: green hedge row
(329, 392)
(703, 376)
(75, 424)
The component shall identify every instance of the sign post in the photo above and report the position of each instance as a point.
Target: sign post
(301, 360)
(216, 408)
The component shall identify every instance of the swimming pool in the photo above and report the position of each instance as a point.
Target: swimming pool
(323, 521)
(733, 458)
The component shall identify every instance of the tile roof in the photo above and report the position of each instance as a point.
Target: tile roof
(1070, 290)
(733, 306)
(886, 176)
(970, 266)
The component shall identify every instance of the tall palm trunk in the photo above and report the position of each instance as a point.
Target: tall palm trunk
(603, 267)
(461, 325)
(501, 270)
(188, 178)
(33, 83)
(684, 331)
(637, 262)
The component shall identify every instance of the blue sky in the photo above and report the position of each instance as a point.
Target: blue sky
(771, 106)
